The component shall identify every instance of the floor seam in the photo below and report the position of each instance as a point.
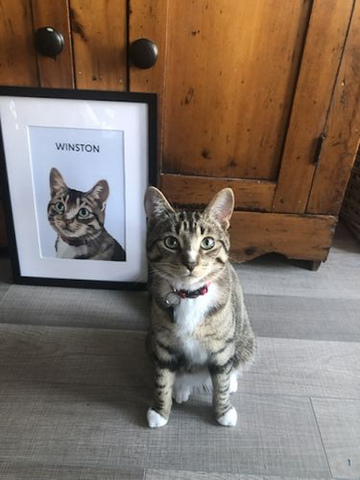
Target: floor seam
(320, 435)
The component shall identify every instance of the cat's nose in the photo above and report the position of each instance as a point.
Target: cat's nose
(190, 265)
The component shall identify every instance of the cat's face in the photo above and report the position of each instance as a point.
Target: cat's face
(75, 214)
(188, 247)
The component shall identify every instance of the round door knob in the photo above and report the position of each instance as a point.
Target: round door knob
(143, 53)
(48, 41)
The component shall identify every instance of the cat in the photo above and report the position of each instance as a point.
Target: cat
(78, 219)
(200, 331)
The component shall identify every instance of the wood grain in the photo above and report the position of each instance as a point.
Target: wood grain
(148, 20)
(342, 129)
(17, 54)
(97, 426)
(83, 307)
(55, 72)
(301, 317)
(301, 237)
(98, 357)
(228, 91)
(33, 353)
(15, 470)
(324, 43)
(99, 44)
(193, 190)
(304, 367)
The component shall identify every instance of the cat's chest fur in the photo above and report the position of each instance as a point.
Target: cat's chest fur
(64, 250)
(188, 316)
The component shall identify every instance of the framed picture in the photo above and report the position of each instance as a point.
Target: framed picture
(75, 167)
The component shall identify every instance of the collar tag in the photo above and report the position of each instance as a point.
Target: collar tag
(172, 299)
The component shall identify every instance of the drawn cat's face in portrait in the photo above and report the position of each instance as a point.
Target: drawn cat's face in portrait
(73, 213)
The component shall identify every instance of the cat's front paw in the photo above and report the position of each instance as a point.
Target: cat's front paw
(155, 420)
(229, 419)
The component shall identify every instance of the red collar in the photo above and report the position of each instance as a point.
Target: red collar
(192, 293)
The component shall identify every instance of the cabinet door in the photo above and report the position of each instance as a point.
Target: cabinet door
(245, 90)
(20, 64)
(99, 33)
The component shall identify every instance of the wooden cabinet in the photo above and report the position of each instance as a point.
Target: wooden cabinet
(261, 95)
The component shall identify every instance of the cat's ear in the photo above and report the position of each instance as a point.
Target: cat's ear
(57, 183)
(100, 192)
(221, 207)
(155, 203)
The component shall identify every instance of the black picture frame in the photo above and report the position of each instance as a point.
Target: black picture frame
(134, 117)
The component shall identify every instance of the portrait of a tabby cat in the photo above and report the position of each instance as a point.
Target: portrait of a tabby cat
(200, 332)
(78, 219)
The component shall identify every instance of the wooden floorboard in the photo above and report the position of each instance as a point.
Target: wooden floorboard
(75, 307)
(105, 426)
(152, 474)
(10, 470)
(102, 357)
(339, 425)
(305, 367)
(284, 316)
(73, 356)
(75, 383)
(281, 316)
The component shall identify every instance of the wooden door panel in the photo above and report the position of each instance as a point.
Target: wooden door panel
(17, 54)
(324, 44)
(55, 72)
(231, 70)
(99, 44)
(342, 130)
(249, 194)
(148, 20)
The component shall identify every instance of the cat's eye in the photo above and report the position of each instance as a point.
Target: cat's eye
(207, 243)
(171, 242)
(84, 212)
(59, 207)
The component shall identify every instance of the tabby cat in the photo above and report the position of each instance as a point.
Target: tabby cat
(78, 219)
(200, 331)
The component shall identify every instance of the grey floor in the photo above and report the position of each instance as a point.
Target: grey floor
(75, 383)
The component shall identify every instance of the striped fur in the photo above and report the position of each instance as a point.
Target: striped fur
(78, 219)
(205, 337)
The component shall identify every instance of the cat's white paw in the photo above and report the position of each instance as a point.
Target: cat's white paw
(229, 419)
(233, 383)
(155, 420)
(181, 394)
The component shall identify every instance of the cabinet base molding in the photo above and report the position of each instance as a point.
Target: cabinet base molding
(302, 237)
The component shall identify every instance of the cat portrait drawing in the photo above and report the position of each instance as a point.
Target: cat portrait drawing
(78, 218)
